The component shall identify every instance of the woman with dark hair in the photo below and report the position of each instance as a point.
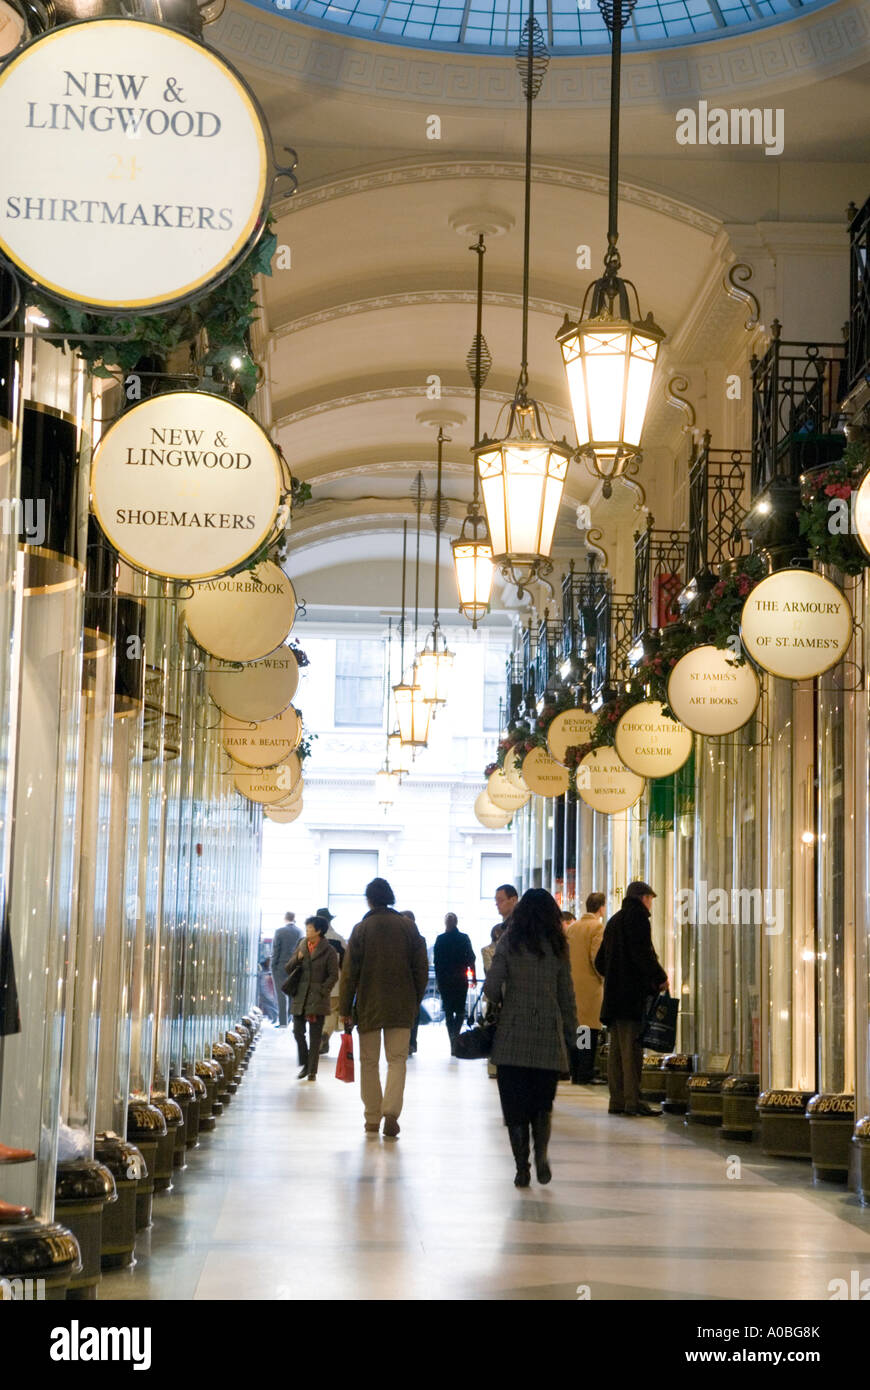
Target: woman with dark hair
(316, 965)
(531, 979)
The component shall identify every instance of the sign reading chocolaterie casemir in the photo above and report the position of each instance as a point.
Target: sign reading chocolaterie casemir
(186, 485)
(796, 624)
(244, 616)
(133, 167)
(649, 742)
(711, 693)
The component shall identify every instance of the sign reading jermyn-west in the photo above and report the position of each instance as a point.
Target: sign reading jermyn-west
(133, 165)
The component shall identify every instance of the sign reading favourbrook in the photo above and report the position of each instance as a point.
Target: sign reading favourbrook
(133, 165)
(186, 485)
(796, 624)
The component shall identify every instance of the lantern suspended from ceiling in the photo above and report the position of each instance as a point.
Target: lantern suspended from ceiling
(610, 355)
(472, 553)
(412, 711)
(435, 662)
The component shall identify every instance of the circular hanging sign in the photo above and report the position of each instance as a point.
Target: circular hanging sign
(256, 692)
(186, 485)
(283, 816)
(292, 797)
(12, 28)
(118, 136)
(270, 784)
(245, 616)
(649, 742)
(512, 764)
(606, 784)
(710, 693)
(861, 512)
(543, 776)
(568, 730)
(796, 624)
(490, 815)
(504, 794)
(262, 745)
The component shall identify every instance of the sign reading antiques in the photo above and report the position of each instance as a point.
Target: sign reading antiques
(606, 784)
(133, 165)
(186, 485)
(711, 693)
(543, 776)
(568, 730)
(796, 624)
(649, 742)
(244, 616)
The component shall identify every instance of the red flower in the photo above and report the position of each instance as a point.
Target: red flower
(529, 745)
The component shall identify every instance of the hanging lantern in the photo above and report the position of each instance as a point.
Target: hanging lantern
(396, 756)
(472, 560)
(386, 785)
(434, 667)
(412, 713)
(609, 355)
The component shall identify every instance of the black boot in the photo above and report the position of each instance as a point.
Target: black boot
(519, 1137)
(541, 1136)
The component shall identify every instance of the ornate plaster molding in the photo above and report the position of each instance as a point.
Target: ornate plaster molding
(414, 299)
(397, 393)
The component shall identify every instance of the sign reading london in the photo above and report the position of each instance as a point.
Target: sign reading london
(186, 485)
(133, 166)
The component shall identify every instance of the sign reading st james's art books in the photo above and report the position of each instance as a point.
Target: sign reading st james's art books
(711, 693)
(796, 624)
(186, 485)
(133, 166)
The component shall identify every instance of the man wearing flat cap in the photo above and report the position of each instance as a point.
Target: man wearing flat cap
(632, 972)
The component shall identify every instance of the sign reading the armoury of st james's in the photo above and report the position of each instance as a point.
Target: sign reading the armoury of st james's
(244, 616)
(504, 794)
(606, 784)
(186, 485)
(568, 730)
(543, 776)
(133, 167)
(261, 745)
(649, 742)
(256, 692)
(711, 693)
(796, 624)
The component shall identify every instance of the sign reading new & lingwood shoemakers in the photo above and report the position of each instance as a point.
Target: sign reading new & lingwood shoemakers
(134, 164)
(796, 624)
(186, 485)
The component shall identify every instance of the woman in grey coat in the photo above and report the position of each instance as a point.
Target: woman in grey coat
(317, 966)
(530, 976)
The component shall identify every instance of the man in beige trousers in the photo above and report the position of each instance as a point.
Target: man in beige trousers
(584, 940)
(383, 981)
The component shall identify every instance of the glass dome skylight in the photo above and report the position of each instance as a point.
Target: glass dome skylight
(570, 26)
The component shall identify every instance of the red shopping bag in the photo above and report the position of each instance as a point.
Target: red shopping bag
(344, 1062)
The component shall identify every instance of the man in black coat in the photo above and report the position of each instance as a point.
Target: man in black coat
(631, 970)
(452, 957)
(284, 944)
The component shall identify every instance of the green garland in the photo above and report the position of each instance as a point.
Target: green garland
(226, 312)
(836, 483)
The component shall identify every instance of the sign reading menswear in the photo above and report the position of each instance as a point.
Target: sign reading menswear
(186, 485)
(711, 693)
(242, 617)
(649, 742)
(568, 730)
(119, 139)
(796, 624)
(606, 784)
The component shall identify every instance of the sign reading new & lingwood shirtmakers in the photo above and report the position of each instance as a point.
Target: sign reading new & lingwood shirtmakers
(186, 485)
(796, 624)
(649, 742)
(133, 165)
(711, 693)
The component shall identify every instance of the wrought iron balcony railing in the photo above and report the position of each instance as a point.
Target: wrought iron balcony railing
(796, 390)
(547, 648)
(859, 297)
(660, 574)
(584, 600)
(719, 485)
(513, 687)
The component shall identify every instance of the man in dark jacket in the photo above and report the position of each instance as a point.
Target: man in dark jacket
(452, 958)
(284, 944)
(631, 970)
(383, 981)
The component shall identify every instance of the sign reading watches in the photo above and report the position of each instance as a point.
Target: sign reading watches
(796, 624)
(186, 485)
(118, 135)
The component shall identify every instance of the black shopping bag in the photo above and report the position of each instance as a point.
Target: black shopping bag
(659, 1031)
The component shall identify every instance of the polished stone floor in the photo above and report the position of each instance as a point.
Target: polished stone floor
(289, 1199)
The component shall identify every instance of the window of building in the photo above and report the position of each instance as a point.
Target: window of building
(495, 869)
(359, 683)
(493, 686)
(349, 872)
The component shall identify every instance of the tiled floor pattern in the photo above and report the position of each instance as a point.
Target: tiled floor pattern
(289, 1199)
